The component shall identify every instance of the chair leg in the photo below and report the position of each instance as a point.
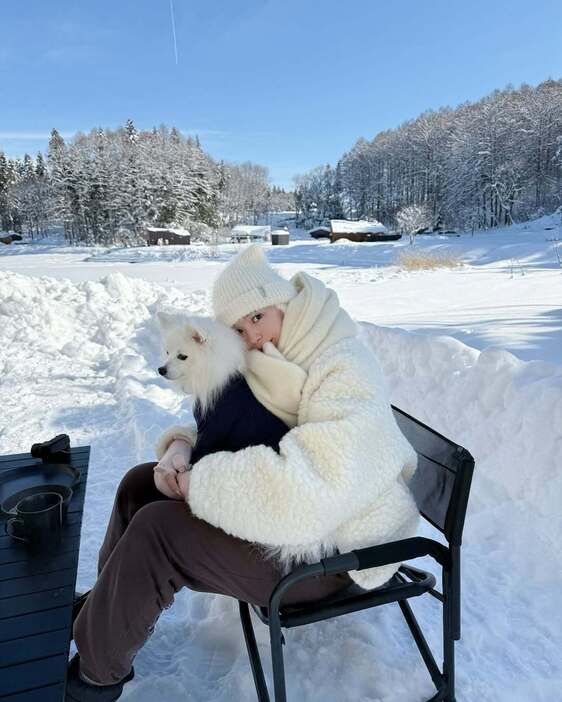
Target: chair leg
(277, 642)
(253, 653)
(448, 638)
(421, 643)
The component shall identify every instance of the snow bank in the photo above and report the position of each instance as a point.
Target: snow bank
(70, 362)
(162, 254)
(507, 412)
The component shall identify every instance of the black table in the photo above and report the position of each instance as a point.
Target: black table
(36, 596)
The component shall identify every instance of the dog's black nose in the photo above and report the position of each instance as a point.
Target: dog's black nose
(162, 370)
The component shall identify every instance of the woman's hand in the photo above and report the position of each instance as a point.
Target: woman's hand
(167, 484)
(173, 463)
(183, 482)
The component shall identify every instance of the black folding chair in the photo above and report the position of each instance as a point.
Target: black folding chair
(441, 486)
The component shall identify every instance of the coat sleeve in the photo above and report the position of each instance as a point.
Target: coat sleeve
(189, 433)
(316, 482)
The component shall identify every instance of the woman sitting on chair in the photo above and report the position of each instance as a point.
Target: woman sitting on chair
(338, 482)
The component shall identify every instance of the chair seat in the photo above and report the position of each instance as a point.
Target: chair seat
(353, 598)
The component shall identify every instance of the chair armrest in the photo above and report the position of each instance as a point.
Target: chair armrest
(296, 575)
(369, 557)
(392, 552)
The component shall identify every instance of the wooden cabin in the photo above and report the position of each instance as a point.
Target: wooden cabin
(162, 236)
(360, 231)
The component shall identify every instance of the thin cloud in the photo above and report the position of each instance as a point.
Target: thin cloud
(174, 31)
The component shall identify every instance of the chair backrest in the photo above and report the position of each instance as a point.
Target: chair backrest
(441, 484)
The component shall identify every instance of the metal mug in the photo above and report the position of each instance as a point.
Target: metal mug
(39, 520)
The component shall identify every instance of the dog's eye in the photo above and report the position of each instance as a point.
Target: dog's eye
(181, 356)
(167, 353)
(240, 331)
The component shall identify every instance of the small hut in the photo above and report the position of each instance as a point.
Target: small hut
(360, 231)
(280, 237)
(247, 233)
(162, 236)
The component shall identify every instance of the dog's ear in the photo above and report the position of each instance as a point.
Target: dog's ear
(196, 331)
(198, 337)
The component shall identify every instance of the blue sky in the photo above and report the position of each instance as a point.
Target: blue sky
(286, 83)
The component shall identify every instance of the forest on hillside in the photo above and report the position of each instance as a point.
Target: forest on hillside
(109, 185)
(479, 165)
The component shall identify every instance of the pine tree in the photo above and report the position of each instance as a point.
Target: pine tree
(59, 171)
(131, 132)
(5, 183)
(130, 193)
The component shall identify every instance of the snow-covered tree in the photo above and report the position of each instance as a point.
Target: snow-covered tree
(414, 219)
(244, 193)
(6, 181)
(29, 195)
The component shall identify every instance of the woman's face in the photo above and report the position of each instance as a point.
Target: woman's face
(259, 327)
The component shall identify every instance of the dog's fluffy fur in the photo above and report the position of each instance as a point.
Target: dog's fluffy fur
(203, 355)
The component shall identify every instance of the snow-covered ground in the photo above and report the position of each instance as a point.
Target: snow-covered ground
(473, 351)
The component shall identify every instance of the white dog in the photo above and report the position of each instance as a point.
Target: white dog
(203, 355)
(205, 359)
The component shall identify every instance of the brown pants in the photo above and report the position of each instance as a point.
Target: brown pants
(153, 547)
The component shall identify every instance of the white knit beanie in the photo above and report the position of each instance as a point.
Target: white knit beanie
(247, 284)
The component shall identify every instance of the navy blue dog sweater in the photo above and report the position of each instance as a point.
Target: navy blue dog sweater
(236, 420)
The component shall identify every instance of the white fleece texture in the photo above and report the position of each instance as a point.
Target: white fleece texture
(189, 433)
(336, 482)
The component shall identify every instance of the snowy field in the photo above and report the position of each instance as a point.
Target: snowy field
(474, 351)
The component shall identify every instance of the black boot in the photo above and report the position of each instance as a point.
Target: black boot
(78, 690)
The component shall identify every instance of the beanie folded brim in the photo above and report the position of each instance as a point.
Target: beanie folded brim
(256, 299)
(247, 284)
